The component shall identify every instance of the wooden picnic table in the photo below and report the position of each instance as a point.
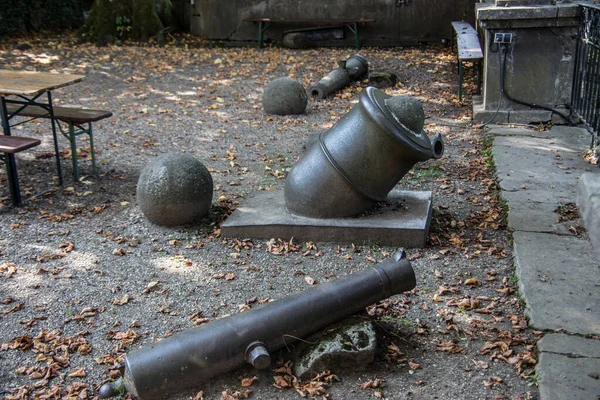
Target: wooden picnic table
(27, 88)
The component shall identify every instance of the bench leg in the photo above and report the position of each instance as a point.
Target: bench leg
(73, 141)
(13, 179)
(262, 27)
(91, 135)
(354, 29)
(74, 131)
(58, 166)
(9, 159)
(478, 65)
(460, 79)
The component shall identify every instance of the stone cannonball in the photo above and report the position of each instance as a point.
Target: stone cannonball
(408, 111)
(284, 96)
(174, 189)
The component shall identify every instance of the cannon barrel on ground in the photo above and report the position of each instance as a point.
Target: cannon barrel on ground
(351, 69)
(334, 81)
(189, 358)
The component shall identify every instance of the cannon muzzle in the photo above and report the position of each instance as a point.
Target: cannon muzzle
(189, 358)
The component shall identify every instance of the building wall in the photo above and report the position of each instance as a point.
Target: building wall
(397, 21)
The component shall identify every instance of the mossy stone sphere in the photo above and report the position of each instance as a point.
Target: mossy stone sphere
(408, 111)
(174, 189)
(284, 96)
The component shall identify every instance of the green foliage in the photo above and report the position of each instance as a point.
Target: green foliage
(123, 26)
(30, 16)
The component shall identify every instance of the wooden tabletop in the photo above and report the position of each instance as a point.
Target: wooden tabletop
(27, 83)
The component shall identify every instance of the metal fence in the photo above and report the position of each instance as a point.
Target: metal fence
(585, 96)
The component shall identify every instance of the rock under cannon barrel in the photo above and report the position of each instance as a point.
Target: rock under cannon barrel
(187, 359)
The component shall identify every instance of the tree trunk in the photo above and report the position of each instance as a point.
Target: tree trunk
(144, 22)
(110, 20)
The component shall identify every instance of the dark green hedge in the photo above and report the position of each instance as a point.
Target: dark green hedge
(31, 16)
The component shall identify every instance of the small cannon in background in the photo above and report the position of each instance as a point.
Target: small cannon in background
(189, 358)
(352, 69)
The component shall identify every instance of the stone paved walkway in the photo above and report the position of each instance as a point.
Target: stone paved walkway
(557, 268)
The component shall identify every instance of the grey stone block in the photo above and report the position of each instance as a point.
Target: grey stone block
(503, 130)
(568, 10)
(559, 278)
(573, 346)
(568, 367)
(528, 116)
(588, 200)
(512, 3)
(350, 345)
(535, 217)
(402, 221)
(481, 115)
(516, 13)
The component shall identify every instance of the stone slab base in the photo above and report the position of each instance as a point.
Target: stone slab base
(504, 116)
(568, 367)
(558, 278)
(588, 200)
(402, 221)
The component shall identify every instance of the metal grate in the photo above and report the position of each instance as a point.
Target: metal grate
(585, 96)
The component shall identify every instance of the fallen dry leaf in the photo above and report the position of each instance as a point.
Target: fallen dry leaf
(248, 381)
(414, 366)
(151, 286)
(123, 300)
(471, 282)
(78, 373)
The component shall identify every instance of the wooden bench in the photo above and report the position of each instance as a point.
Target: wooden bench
(468, 49)
(9, 146)
(352, 24)
(79, 121)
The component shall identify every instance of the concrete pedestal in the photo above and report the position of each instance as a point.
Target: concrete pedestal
(402, 221)
(538, 66)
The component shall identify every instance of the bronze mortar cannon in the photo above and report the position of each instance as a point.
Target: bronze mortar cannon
(360, 159)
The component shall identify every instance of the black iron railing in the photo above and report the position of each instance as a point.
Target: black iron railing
(585, 96)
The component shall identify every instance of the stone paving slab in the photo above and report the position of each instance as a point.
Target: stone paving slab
(588, 200)
(403, 221)
(568, 367)
(537, 163)
(507, 130)
(535, 210)
(534, 217)
(559, 277)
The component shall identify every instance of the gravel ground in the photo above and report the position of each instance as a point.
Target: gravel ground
(85, 278)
